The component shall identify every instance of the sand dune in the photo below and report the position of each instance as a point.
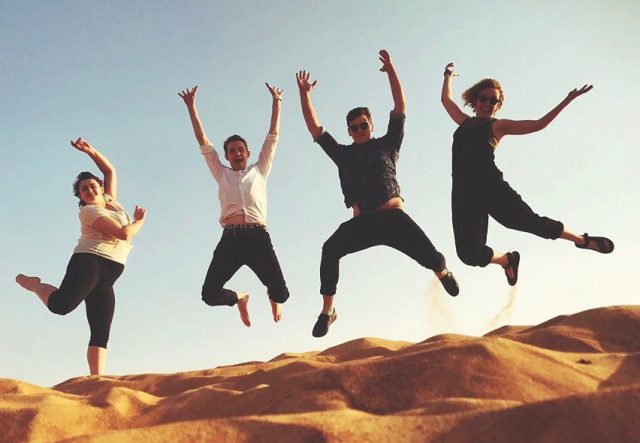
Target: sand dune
(572, 378)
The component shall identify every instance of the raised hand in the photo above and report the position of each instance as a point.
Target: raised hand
(450, 70)
(189, 96)
(385, 58)
(275, 92)
(303, 81)
(139, 213)
(82, 145)
(578, 92)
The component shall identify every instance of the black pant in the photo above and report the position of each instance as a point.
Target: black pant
(89, 277)
(471, 207)
(243, 246)
(392, 228)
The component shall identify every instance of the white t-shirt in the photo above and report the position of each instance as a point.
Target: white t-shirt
(95, 242)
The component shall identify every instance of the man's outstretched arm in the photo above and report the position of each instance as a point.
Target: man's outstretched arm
(276, 105)
(399, 103)
(189, 97)
(308, 111)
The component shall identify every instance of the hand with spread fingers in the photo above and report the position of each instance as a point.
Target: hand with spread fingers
(276, 93)
(189, 95)
(578, 92)
(385, 58)
(139, 213)
(81, 145)
(303, 81)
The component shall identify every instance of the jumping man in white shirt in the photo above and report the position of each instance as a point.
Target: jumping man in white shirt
(243, 204)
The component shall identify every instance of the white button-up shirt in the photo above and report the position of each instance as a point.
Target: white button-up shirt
(243, 192)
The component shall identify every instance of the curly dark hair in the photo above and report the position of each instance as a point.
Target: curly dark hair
(76, 184)
(470, 96)
(234, 138)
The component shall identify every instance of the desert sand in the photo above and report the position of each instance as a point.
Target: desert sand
(571, 379)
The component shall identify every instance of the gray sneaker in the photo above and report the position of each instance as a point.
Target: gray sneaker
(321, 327)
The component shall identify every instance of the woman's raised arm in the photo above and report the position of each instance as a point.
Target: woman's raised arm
(105, 166)
(520, 127)
(446, 98)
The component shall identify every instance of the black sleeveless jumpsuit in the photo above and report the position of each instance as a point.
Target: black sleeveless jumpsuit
(479, 191)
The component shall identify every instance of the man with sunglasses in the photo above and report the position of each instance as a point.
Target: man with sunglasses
(367, 171)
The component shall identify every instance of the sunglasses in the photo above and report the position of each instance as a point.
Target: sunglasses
(493, 100)
(361, 126)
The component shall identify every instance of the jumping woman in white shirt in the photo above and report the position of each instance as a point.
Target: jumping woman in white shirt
(98, 259)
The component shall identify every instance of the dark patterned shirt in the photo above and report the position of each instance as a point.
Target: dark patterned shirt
(367, 171)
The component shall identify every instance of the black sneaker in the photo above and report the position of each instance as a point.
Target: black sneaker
(321, 327)
(450, 284)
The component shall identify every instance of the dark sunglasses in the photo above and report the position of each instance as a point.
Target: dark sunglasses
(361, 126)
(493, 100)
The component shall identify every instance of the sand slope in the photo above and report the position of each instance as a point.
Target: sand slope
(572, 378)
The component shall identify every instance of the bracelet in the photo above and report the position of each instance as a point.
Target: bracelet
(277, 98)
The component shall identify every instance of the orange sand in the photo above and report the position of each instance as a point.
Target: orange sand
(574, 378)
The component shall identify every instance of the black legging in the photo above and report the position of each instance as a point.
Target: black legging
(392, 228)
(471, 207)
(89, 277)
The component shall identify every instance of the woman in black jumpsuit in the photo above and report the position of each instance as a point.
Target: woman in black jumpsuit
(478, 187)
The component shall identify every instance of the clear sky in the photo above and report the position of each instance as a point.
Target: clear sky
(110, 71)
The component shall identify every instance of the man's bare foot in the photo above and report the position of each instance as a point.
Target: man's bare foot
(243, 302)
(29, 283)
(276, 310)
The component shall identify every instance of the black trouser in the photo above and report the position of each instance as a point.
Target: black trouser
(249, 245)
(392, 228)
(471, 207)
(89, 277)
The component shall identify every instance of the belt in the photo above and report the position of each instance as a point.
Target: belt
(245, 227)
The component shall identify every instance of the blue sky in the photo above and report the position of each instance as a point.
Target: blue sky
(110, 72)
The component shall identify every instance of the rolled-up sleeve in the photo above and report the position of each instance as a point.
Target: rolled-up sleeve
(329, 145)
(212, 160)
(395, 131)
(266, 153)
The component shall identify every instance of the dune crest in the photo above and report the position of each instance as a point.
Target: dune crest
(571, 378)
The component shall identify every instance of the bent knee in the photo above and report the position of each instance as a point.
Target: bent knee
(280, 295)
(218, 297)
(212, 300)
(59, 308)
(474, 258)
(99, 341)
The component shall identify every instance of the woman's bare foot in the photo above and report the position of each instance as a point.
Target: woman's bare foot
(29, 283)
(243, 302)
(276, 310)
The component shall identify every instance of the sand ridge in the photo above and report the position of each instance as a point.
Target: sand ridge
(571, 378)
